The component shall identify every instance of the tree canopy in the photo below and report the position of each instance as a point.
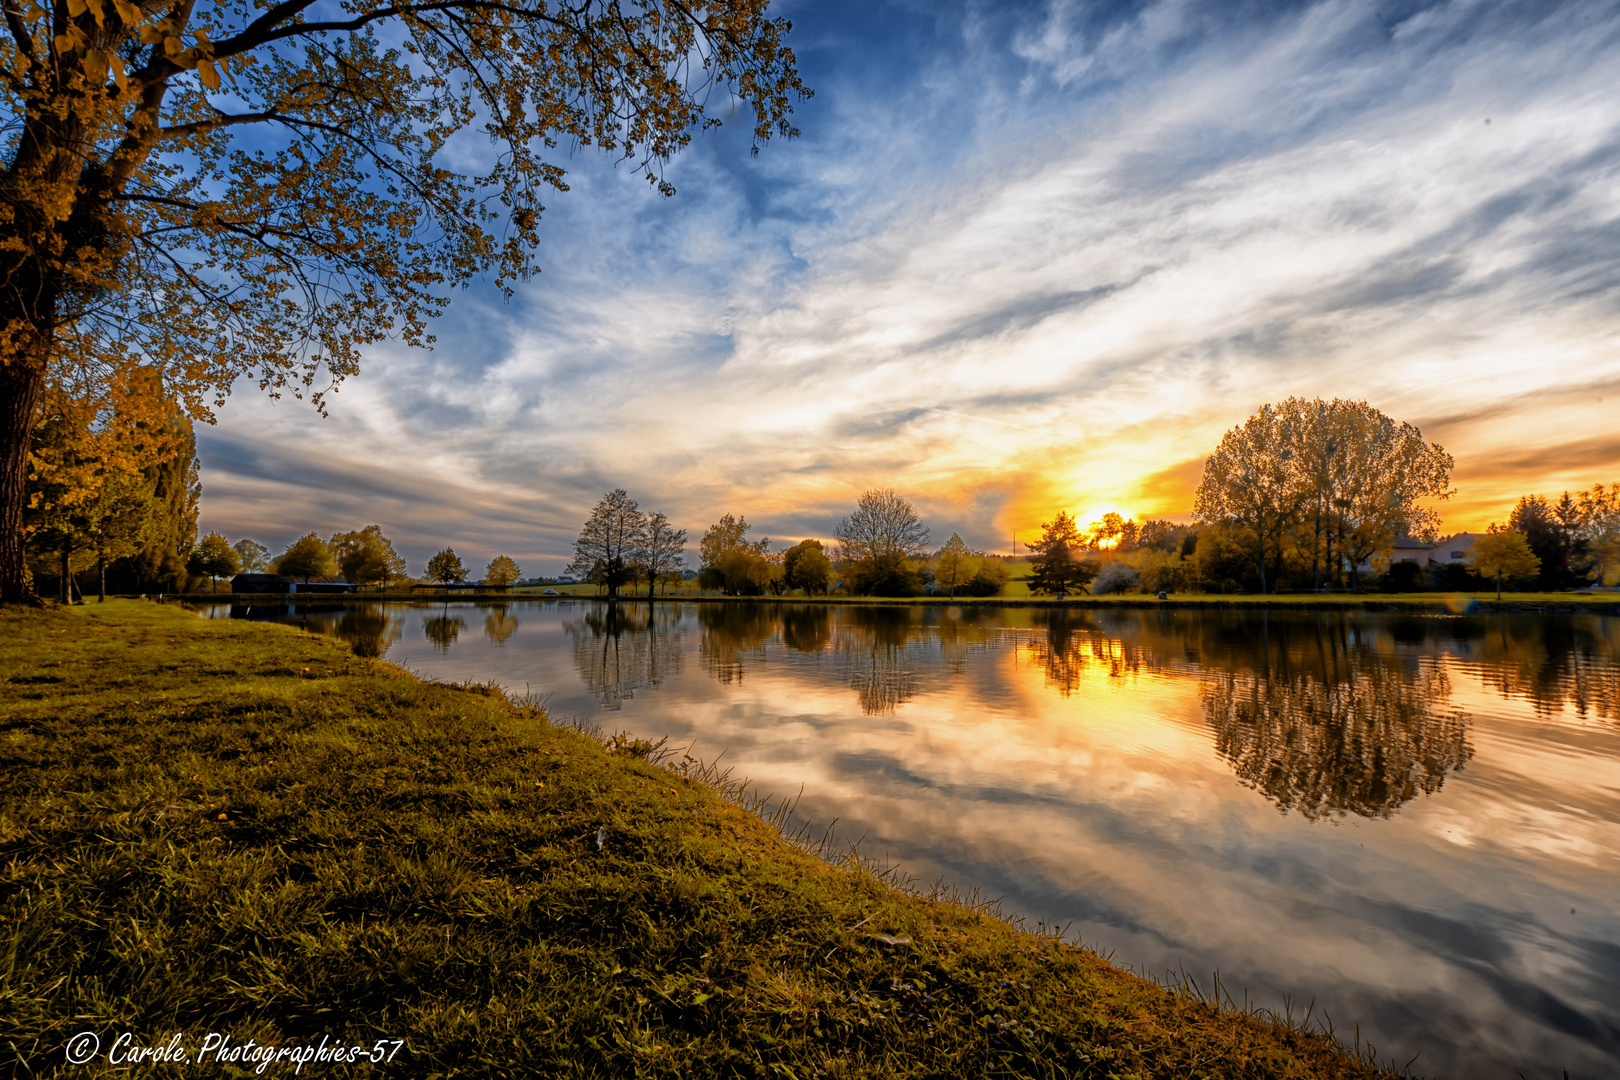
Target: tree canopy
(501, 572)
(875, 541)
(307, 557)
(213, 558)
(1059, 568)
(1357, 476)
(445, 568)
(609, 543)
(1502, 553)
(366, 556)
(225, 189)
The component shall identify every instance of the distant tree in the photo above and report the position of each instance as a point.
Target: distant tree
(726, 556)
(954, 565)
(501, 572)
(445, 568)
(746, 572)
(805, 566)
(1600, 531)
(308, 557)
(989, 578)
(366, 556)
(1502, 553)
(876, 542)
(1551, 531)
(663, 550)
(609, 544)
(1112, 532)
(213, 558)
(1158, 569)
(251, 556)
(1058, 558)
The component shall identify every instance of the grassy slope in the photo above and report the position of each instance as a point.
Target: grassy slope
(223, 826)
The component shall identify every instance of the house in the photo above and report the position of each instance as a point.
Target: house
(259, 583)
(1453, 549)
(275, 583)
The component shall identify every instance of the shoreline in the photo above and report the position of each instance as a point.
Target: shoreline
(1607, 603)
(240, 827)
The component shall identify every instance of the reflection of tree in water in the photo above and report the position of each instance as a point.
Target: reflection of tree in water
(806, 628)
(1554, 662)
(1362, 733)
(443, 629)
(733, 633)
(1073, 644)
(500, 624)
(962, 632)
(872, 646)
(369, 630)
(620, 648)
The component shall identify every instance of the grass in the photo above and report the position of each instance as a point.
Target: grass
(236, 828)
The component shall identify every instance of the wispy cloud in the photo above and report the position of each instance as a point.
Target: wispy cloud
(1023, 259)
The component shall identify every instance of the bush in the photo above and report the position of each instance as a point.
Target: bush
(1116, 577)
(990, 579)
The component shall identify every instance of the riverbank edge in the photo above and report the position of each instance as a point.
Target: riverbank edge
(1421, 603)
(242, 827)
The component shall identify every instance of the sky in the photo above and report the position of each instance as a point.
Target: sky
(1023, 258)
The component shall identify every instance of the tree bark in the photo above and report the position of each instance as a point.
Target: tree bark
(22, 379)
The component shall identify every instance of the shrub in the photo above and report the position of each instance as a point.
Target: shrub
(1116, 577)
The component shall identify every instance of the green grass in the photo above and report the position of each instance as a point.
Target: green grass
(220, 826)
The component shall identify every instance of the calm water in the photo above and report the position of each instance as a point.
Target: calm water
(1412, 822)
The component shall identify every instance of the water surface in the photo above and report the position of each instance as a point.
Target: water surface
(1410, 823)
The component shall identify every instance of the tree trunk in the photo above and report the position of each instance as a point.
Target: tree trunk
(22, 378)
(103, 597)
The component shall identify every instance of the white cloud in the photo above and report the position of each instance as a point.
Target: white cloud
(1123, 241)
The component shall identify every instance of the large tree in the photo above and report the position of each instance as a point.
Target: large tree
(307, 557)
(805, 566)
(228, 189)
(875, 541)
(501, 572)
(445, 567)
(1355, 475)
(662, 549)
(1058, 556)
(1253, 480)
(609, 544)
(366, 555)
(213, 558)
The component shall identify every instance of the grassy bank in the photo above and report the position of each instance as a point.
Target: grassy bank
(236, 828)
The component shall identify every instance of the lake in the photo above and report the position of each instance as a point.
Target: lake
(1408, 824)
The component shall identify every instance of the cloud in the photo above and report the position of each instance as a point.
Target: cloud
(1024, 258)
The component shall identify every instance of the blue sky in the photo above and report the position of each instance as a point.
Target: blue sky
(1023, 258)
